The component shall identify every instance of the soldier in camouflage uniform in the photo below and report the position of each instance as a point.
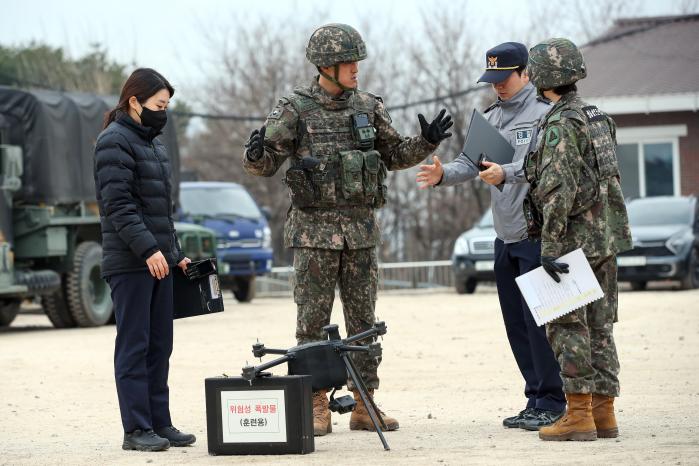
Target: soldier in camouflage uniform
(575, 201)
(340, 143)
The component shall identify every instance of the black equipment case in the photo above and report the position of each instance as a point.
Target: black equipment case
(266, 416)
(196, 292)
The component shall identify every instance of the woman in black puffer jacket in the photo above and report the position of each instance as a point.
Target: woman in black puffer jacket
(132, 181)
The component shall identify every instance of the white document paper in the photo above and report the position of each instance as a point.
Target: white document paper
(548, 300)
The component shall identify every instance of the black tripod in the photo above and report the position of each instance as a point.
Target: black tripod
(328, 362)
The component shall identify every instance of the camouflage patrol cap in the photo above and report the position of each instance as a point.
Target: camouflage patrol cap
(335, 43)
(555, 62)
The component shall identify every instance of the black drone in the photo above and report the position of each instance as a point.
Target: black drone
(328, 362)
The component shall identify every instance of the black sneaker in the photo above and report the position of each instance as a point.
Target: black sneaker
(541, 418)
(516, 421)
(176, 438)
(144, 440)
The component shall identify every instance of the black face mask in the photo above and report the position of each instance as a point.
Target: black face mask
(153, 119)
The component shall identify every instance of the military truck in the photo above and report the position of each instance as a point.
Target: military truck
(49, 221)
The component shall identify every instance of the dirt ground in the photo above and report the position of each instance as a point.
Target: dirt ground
(448, 375)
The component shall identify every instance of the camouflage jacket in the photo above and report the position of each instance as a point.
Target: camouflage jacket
(574, 182)
(287, 135)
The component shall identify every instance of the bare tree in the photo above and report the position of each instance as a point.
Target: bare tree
(593, 18)
(443, 62)
(579, 20)
(257, 65)
(687, 7)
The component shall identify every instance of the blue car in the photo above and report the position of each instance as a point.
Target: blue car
(243, 238)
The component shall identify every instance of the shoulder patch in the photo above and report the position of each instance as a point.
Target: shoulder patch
(276, 113)
(593, 113)
(552, 136)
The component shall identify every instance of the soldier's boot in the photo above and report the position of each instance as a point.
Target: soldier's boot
(321, 414)
(576, 424)
(360, 419)
(603, 413)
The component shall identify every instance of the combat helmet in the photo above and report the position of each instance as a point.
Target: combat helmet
(333, 44)
(555, 62)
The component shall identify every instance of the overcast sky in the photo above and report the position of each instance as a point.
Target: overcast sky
(168, 34)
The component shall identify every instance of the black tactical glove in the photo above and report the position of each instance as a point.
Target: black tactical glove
(553, 268)
(255, 145)
(435, 132)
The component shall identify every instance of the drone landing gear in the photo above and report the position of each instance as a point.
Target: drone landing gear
(329, 363)
(371, 407)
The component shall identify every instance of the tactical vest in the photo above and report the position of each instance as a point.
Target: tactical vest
(343, 169)
(599, 162)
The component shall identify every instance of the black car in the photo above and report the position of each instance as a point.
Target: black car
(665, 233)
(474, 255)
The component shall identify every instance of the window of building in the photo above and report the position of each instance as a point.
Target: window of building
(649, 160)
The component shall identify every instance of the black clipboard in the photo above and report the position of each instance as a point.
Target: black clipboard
(485, 143)
(196, 292)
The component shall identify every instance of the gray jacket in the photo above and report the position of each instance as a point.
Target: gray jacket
(517, 119)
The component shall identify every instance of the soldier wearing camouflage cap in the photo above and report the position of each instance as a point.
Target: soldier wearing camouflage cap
(575, 201)
(340, 144)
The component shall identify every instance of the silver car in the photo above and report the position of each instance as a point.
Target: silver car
(474, 255)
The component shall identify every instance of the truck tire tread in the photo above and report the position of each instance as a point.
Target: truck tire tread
(56, 309)
(74, 293)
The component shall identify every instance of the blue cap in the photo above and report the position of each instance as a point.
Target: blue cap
(502, 60)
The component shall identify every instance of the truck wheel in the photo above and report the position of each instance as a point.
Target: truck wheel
(691, 280)
(460, 286)
(8, 311)
(244, 289)
(88, 296)
(466, 287)
(56, 309)
(639, 286)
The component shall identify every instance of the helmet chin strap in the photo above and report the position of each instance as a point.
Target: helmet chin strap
(335, 80)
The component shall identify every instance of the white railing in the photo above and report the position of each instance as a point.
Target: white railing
(392, 276)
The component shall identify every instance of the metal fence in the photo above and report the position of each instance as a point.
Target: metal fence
(392, 276)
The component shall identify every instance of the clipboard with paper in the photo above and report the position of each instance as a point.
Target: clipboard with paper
(485, 143)
(548, 300)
